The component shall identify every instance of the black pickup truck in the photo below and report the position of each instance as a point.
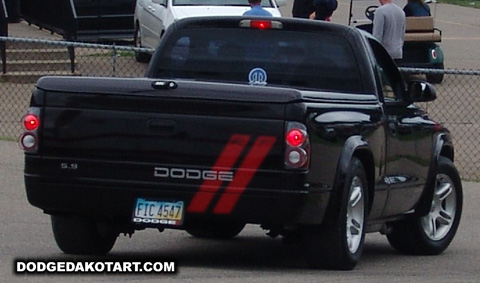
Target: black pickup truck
(306, 128)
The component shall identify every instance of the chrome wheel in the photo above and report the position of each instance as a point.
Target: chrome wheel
(355, 215)
(438, 222)
(339, 243)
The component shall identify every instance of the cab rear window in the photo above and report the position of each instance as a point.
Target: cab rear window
(297, 59)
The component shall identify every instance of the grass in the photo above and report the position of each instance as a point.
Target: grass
(108, 53)
(2, 138)
(465, 3)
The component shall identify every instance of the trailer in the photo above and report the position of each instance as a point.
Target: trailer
(82, 20)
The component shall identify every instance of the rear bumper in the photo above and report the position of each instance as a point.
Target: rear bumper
(115, 201)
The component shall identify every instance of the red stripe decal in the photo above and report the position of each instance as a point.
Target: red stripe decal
(225, 161)
(245, 173)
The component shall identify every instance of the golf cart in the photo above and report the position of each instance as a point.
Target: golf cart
(420, 49)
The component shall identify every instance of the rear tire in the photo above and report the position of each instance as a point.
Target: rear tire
(339, 245)
(432, 234)
(216, 230)
(437, 77)
(81, 236)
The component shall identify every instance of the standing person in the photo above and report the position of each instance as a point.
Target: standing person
(257, 9)
(324, 9)
(389, 27)
(302, 8)
(416, 8)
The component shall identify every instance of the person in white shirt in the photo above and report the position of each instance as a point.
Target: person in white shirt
(389, 27)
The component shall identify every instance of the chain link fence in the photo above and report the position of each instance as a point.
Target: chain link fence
(28, 59)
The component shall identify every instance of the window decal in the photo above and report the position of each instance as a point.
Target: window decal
(257, 76)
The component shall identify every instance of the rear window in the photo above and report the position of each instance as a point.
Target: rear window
(262, 57)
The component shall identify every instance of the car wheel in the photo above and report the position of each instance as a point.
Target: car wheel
(339, 245)
(81, 236)
(432, 234)
(437, 77)
(141, 57)
(216, 230)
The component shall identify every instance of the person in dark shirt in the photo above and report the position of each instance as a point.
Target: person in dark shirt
(416, 8)
(302, 8)
(324, 9)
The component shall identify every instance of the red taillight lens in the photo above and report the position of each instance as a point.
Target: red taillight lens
(31, 122)
(295, 137)
(261, 24)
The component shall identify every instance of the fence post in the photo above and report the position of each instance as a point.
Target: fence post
(3, 32)
(114, 59)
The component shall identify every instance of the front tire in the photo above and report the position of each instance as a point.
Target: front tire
(339, 245)
(432, 234)
(141, 57)
(81, 235)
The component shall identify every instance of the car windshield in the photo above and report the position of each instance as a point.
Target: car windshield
(265, 3)
(282, 58)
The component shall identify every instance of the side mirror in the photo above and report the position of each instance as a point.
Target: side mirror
(420, 91)
(281, 3)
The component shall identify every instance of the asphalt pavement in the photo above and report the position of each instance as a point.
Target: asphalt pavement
(25, 234)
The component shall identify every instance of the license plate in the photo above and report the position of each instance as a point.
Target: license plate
(158, 212)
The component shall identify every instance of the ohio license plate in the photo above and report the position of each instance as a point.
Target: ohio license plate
(158, 212)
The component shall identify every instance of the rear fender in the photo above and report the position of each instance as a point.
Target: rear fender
(354, 146)
(435, 54)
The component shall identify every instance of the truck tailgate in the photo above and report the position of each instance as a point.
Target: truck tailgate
(137, 133)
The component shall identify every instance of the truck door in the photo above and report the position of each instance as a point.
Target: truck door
(408, 134)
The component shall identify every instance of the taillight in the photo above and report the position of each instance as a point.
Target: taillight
(261, 24)
(297, 146)
(296, 137)
(29, 139)
(31, 122)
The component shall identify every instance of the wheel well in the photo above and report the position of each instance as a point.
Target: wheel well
(447, 151)
(366, 158)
